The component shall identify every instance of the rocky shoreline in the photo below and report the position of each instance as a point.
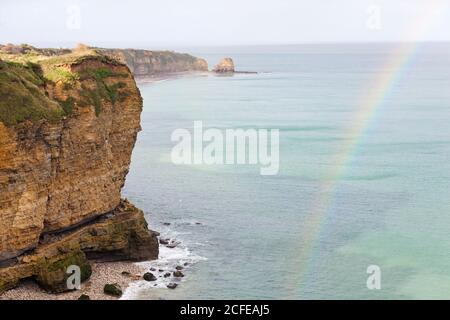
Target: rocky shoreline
(121, 273)
(121, 235)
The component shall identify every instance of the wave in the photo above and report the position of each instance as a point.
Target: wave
(169, 259)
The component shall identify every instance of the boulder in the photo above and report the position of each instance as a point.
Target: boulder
(164, 241)
(178, 274)
(172, 285)
(113, 290)
(51, 272)
(148, 276)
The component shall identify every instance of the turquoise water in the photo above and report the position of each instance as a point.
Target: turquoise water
(242, 233)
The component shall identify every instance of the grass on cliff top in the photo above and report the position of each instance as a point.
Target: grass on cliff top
(22, 98)
(53, 67)
(23, 78)
(56, 56)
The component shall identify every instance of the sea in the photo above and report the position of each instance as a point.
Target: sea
(360, 207)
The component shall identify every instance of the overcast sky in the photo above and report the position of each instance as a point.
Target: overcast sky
(216, 22)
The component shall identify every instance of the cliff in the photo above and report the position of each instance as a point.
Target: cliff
(143, 63)
(68, 124)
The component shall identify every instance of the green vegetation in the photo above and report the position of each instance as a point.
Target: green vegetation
(113, 91)
(68, 105)
(55, 70)
(102, 73)
(25, 78)
(22, 97)
(92, 97)
(52, 271)
(60, 74)
(101, 92)
(76, 59)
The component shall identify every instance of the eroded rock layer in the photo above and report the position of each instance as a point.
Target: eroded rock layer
(144, 63)
(121, 234)
(68, 124)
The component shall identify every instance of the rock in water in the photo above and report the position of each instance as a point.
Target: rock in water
(113, 290)
(164, 241)
(226, 65)
(172, 285)
(178, 274)
(148, 276)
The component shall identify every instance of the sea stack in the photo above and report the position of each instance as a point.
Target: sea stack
(226, 65)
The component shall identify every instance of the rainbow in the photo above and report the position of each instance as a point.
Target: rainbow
(369, 105)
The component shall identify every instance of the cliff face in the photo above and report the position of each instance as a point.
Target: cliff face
(121, 234)
(68, 124)
(144, 63)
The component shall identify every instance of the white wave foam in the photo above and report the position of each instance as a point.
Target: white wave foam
(169, 259)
